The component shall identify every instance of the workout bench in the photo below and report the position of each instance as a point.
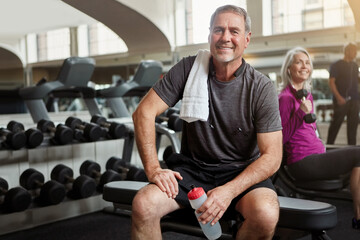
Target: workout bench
(297, 216)
(331, 188)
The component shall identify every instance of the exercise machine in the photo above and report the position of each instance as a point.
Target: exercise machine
(147, 74)
(72, 81)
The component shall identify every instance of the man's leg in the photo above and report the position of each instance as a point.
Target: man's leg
(148, 207)
(338, 119)
(352, 121)
(260, 209)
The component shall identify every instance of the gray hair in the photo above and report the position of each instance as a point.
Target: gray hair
(285, 74)
(234, 9)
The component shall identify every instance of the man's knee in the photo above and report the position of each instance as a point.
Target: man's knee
(265, 217)
(144, 203)
(261, 213)
(151, 203)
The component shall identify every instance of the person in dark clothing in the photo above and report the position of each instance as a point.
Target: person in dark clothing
(343, 81)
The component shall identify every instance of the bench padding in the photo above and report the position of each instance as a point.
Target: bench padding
(300, 214)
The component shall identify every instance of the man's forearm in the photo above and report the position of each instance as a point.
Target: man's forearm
(270, 146)
(146, 142)
(261, 169)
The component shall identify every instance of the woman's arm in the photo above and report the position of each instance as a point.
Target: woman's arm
(291, 118)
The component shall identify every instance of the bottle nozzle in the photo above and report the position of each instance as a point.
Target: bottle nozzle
(192, 186)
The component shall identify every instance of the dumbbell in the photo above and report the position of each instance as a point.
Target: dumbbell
(82, 187)
(16, 199)
(13, 140)
(33, 136)
(93, 170)
(118, 165)
(173, 119)
(61, 134)
(91, 131)
(136, 174)
(172, 110)
(125, 169)
(51, 192)
(115, 130)
(301, 94)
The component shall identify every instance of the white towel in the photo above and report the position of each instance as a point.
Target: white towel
(195, 102)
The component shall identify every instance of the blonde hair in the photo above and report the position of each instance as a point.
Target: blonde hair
(285, 72)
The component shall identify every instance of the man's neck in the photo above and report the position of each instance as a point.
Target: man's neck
(225, 71)
(346, 59)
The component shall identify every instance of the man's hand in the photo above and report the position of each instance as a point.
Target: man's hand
(215, 206)
(166, 180)
(340, 100)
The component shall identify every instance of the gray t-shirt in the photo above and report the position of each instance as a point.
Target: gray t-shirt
(238, 110)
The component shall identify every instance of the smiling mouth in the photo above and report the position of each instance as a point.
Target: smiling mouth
(224, 48)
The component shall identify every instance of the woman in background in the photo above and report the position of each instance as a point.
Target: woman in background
(305, 153)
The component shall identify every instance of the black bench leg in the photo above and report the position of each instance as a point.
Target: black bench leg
(320, 235)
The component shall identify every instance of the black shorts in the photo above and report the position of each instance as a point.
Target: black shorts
(208, 179)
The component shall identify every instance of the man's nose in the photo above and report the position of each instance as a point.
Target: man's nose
(226, 36)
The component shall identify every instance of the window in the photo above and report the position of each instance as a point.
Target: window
(313, 19)
(104, 41)
(308, 15)
(51, 45)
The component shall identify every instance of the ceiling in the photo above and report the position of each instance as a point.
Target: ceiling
(20, 17)
(138, 32)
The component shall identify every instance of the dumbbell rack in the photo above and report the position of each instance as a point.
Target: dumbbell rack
(44, 158)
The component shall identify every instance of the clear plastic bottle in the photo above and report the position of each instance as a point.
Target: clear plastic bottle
(197, 197)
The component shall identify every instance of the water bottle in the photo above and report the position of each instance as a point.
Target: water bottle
(197, 197)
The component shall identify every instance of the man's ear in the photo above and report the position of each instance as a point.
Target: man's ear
(247, 39)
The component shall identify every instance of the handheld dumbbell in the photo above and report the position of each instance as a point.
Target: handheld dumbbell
(301, 94)
(172, 116)
(125, 169)
(91, 131)
(61, 134)
(16, 199)
(114, 129)
(82, 187)
(93, 170)
(13, 140)
(33, 136)
(51, 192)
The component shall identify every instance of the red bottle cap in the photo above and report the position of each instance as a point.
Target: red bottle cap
(195, 193)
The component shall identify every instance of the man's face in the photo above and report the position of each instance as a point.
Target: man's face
(227, 37)
(350, 52)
